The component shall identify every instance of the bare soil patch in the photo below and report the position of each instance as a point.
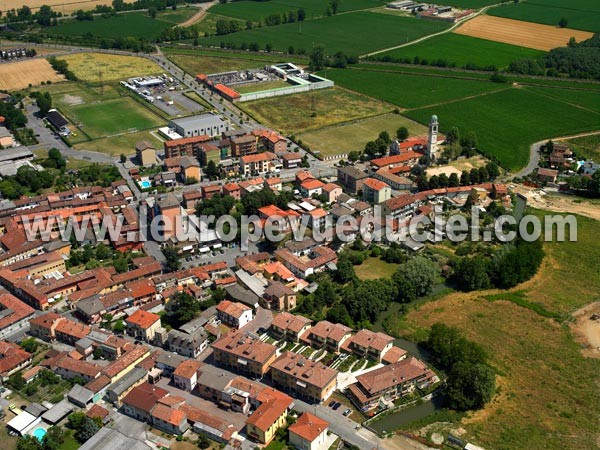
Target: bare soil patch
(517, 32)
(587, 330)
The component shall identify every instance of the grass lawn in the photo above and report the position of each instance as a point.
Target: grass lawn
(294, 113)
(180, 15)
(112, 117)
(70, 442)
(276, 445)
(89, 66)
(257, 11)
(509, 121)
(354, 135)
(115, 145)
(548, 396)
(353, 33)
(409, 91)
(8, 442)
(208, 24)
(461, 51)
(133, 24)
(580, 14)
(265, 85)
(373, 268)
(587, 146)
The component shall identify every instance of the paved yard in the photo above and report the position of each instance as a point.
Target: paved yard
(238, 420)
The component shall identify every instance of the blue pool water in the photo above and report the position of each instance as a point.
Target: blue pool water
(39, 433)
(145, 184)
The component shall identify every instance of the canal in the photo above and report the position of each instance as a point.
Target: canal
(395, 420)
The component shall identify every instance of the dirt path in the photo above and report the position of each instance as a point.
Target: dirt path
(586, 330)
(199, 15)
(559, 203)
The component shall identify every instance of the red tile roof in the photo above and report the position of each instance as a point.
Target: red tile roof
(169, 415)
(11, 356)
(144, 396)
(231, 93)
(15, 310)
(308, 427)
(273, 405)
(374, 184)
(143, 319)
(96, 411)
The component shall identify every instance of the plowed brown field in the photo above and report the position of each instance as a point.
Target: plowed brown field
(517, 32)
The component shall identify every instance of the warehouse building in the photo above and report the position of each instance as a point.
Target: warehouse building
(203, 124)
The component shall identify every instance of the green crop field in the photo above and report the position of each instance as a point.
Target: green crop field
(293, 114)
(585, 99)
(460, 51)
(135, 24)
(580, 15)
(409, 91)
(507, 122)
(353, 33)
(257, 11)
(119, 115)
(346, 137)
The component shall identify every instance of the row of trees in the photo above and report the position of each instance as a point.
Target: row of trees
(436, 62)
(576, 60)
(483, 174)
(510, 265)
(471, 381)
(318, 59)
(62, 66)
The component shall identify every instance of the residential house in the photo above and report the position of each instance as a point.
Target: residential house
(12, 359)
(332, 191)
(310, 380)
(140, 401)
(244, 145)
(236, 315)
(291, 160)
(369, 344)
(279, 297)
(270, 416)
(14, 314)
(145, 153)
(171, 420)
(325, 334)
(390, 382)
(244, 353)
(311, 187)
(376, 191)
(187, 344)
(309, 432)
(289, 326)
(258, 164)
(143, 325)
(351, 178)
(185, 376)
(547, 175)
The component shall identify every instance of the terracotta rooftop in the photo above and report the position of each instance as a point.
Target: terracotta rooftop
(266, 156)
(144, 396)
(370, 339)
(304, 370)
(374, 184)
(273, 405)
(238, 344)
(395, 159)
(13, 309)
(233, 309)
(388, 376)
(308, 427)
(11, 356)
(327, 330)
(287, 321)
(187, 369)
(96, 411)
(142, 319)
(169, 415)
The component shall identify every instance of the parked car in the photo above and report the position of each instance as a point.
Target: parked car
(336, 406)
(347, 412)
(331, 403)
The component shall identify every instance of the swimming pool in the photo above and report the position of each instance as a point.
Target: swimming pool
(39, 433)
(145, 184)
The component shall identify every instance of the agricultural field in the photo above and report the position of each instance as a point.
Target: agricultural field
(257, 11)
(475, 4)
(460, 51)
(586, 146)
(91, 66)
(120, 115)
(580, 14)
(346, 137)
(582, 98)
(293, 114)
(265, 85)
(122, 143)
(22, 74)
(353, 33)
(547, 396)
(134, 24)
(516, 32)
(214, 64)
(64, 6)
(410, 91)
(509, 121)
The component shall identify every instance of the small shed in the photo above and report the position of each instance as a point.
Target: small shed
(58, 412)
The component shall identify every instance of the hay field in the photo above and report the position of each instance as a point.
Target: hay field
(63, 6)
(21, 74)
(524, 34)
(89, 66)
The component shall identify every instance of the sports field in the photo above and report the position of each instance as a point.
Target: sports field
(121, 143)
(257, 11)
(120, 115)
(95, 66)
(21, 74)
(134, 24)
(293, 114)
(580, 14)
(346, 137)
(460, 51)
(353, 33)
(265, 85)
(410, 91)
(509, 121)
(516, 32)
(548, 394)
